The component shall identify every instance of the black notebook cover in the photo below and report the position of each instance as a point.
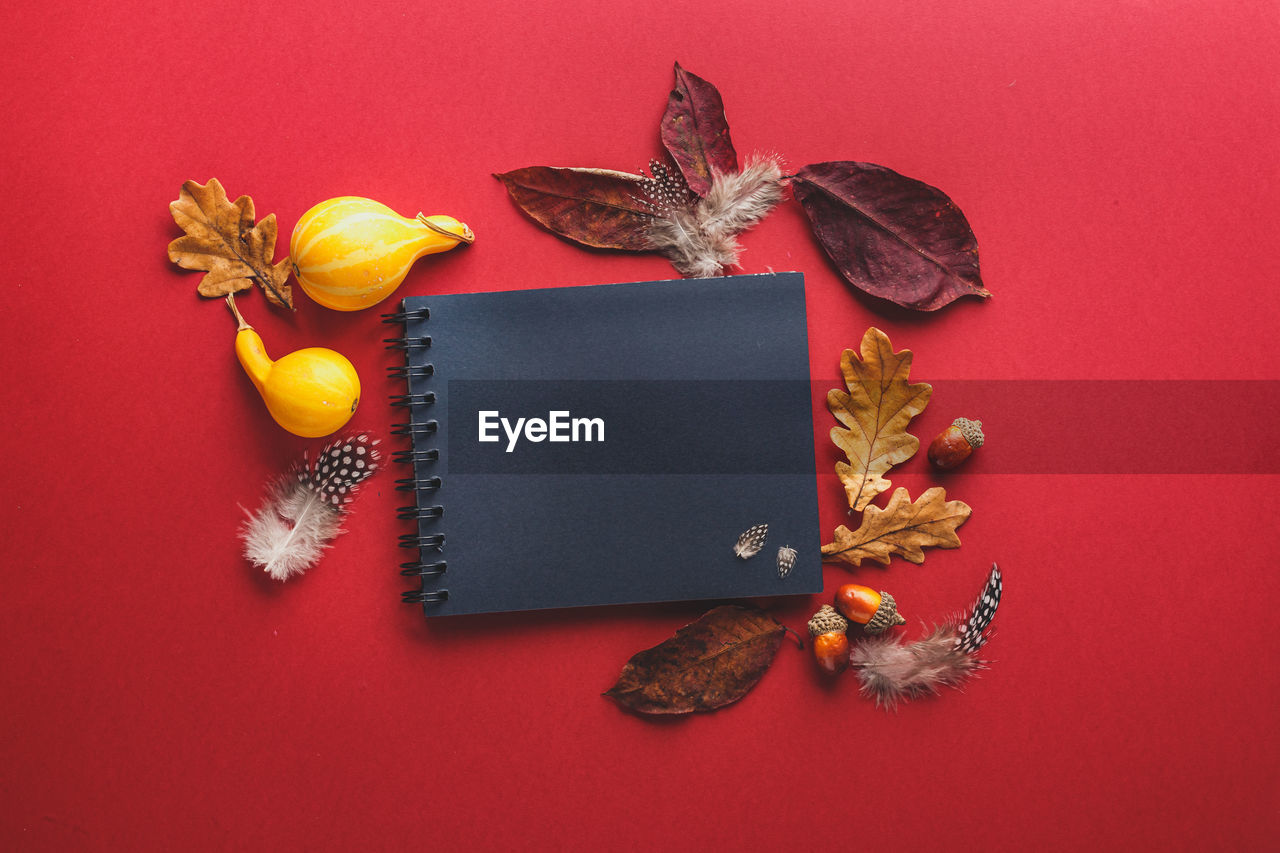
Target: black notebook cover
(608, 444)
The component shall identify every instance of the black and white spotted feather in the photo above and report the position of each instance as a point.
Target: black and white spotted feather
(973, 633)
(892, 671)
(750, 541)
(304, 508)
(786, 560)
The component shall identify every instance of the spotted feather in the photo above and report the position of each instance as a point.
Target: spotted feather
(343, 465)
(751, 541)
(972, 633)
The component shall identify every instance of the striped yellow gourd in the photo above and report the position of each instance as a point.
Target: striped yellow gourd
(351, 252)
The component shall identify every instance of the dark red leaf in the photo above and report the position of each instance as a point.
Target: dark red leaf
(706, 665)
(889, 235)
(594, 207)
(695, 131)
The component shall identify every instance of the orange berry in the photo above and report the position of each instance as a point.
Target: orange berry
(831, 650)
(857, 603)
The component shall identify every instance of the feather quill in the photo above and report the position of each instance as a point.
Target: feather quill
(304, 507)
(699, 235)
(892, 671)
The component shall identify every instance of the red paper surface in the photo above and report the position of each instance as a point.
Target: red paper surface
(1117, 161)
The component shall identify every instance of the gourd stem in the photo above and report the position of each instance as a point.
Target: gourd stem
(444, 231)
(231, 303)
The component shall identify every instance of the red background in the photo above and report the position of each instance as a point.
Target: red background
(1117, 160)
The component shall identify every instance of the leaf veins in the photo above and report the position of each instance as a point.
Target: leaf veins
(223, 240)
(875, 412)
(600, 208)
(890, 235)
(708, 664)
(695, 131)
(902, 528)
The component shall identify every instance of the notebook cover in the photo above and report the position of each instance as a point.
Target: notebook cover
(675, 415)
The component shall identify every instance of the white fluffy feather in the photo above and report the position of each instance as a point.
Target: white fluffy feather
(700, 239)
(304, 508)
(289, 532)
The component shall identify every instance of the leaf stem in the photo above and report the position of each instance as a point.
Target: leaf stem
(231, 303)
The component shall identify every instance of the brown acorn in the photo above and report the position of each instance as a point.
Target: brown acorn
(875, 611)
(830, 643)
(954, 444)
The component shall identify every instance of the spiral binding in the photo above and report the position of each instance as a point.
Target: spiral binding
(415, 430)
(408, 344)
(408, 401)
(413, 457)
(401, 317)
(422, 596)
(429, 563)
(413, 484)
(417, 371)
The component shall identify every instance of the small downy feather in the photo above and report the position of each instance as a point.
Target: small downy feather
(304, 508)
(892, 671)
(699, 235)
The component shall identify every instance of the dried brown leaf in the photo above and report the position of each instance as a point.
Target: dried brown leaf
(600, 208)
(876, 410)
(708, 664)
(901, 528)
(223, 240)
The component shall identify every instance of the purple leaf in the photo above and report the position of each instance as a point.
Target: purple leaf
(889, 235)
(695, 131)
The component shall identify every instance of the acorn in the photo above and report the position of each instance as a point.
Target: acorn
(875, 611)
(830, 642)
(954, 444)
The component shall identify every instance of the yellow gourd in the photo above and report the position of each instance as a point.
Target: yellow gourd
(349, 252)
(310, 392)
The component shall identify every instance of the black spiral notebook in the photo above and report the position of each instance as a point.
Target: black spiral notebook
(607, 444)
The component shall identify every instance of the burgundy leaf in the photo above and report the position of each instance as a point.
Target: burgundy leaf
(594, 207)
(707, 664)
(696, 132)
(889, 235)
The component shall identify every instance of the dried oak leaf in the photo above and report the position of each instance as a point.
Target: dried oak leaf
(707, 664)
(600, 208)
(889, 235)
(223, 240)
(876, 410)
(902, 528)
(695, 131)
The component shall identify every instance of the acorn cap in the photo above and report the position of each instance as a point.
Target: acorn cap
(886, 615)
(827, 621)
(971, 430)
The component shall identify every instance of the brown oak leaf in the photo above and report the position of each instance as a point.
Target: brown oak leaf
(875, 411)
(223, 240)
(708, 664)
(901, 528)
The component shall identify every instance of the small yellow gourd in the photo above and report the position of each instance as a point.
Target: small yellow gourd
(310, 392)
(350, 253)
